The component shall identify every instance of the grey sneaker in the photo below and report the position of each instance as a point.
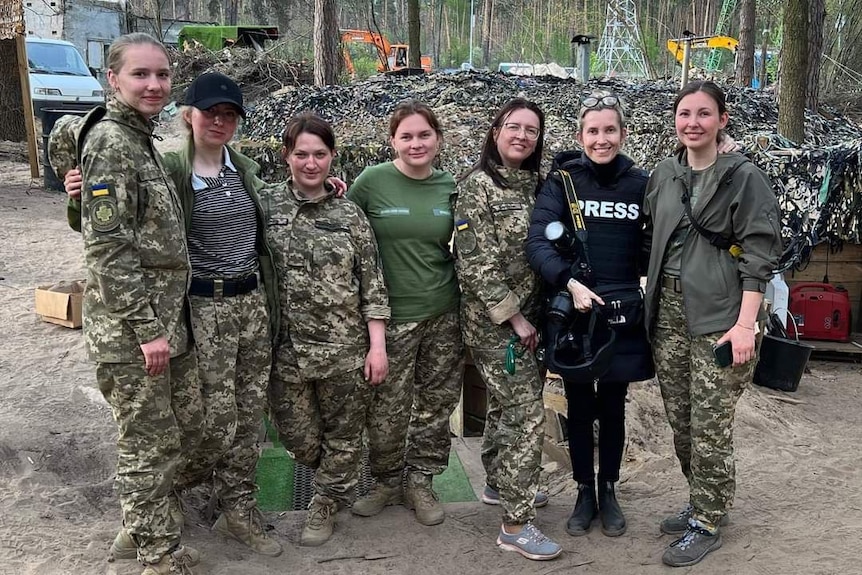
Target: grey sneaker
(492, 497)
(319, 522)
(246, 526)
(424, 501)
(530, 542)
(692, 547)
(379, 497)
(678, 524)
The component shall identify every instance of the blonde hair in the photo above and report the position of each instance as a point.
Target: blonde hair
(619, 108)
(117, 50)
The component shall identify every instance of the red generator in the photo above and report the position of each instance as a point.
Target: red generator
(821, 311)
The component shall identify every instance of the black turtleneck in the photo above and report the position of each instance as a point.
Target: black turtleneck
(606, 174)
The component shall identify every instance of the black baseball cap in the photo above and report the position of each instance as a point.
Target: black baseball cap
(211, 89)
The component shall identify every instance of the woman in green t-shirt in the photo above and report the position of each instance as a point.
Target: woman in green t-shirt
(409, 204)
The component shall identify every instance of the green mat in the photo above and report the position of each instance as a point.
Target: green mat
(452, 485)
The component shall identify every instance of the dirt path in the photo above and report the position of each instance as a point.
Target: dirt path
(798, 509)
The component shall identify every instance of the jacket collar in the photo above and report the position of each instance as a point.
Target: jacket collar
(574, 160)
(725, 165)
(198, 183)
(122, 113)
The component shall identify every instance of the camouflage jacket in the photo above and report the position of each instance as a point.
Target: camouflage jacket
(491, 225)
(330, 280)
(134, 242)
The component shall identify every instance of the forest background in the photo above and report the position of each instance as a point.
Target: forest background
(536, 31)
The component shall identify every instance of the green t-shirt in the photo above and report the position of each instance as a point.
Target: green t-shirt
(700, 179)
(412, 220)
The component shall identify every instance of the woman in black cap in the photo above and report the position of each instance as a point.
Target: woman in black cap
(234, 305)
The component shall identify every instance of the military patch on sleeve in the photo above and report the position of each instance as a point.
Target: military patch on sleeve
(462, 225)
(101, 189)
(104, 213)
(465, 241)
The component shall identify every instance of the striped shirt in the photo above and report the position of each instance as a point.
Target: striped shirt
(223, 232)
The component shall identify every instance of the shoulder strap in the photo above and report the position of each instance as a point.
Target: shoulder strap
(714, 238)
(572, 197)
(92, 118)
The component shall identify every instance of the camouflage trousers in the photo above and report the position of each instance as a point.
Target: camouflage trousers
(159, 421)
(320, 422)
(700, 400)
(408, 417)
(512, 443)
(234, 357)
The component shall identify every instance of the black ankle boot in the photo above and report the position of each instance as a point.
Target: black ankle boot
(613, 520)
(585, 511)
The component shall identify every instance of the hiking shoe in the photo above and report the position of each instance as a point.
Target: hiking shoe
(692, 547)
(377, 498)
(678, 524)
(586, 509)
(613, 520)
(319, 522)
(425, 502)
(492, 497)
(180, 561)
(246, 526)
(530, 542)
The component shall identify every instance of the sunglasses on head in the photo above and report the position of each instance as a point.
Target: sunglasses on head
(592, 101)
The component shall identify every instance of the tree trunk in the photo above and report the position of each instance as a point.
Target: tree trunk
(12, 126)
(487, 22)
(745, 52)
(414, 31)
(325, 38)
(816, 15)
(794, 70)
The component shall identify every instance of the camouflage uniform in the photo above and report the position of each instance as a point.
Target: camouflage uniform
(330, 285)
(496, 281)
(426, 363)
(137, 277)
(700, 401)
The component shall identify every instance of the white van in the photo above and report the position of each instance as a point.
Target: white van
(59, 79)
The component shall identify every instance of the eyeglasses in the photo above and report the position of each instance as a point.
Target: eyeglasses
(228, 115)
(530, 132)
(592, 101)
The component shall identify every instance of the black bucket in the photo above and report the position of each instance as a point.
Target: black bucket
(782, 363)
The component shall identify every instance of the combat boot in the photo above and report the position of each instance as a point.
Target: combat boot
(613, 520)
(319, 522)
(180, 561)
(379, 497)
(123, 547)
(246, 526)
(420, 497)
(585, 511)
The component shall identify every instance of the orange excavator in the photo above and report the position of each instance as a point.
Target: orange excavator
(392, 57)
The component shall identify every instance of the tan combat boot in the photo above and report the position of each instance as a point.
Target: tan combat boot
(180, 561)
(420, 497)
(319, 522)
(379, 497)
(124, 547)
(246, 526)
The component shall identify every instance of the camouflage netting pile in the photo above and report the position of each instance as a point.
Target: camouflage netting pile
(818, 182)
(258, 73)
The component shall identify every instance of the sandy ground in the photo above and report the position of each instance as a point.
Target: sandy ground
(798, 508)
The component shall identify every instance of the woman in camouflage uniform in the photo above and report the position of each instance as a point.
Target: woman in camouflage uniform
(500, 306)
(134, 306)
(331, 347)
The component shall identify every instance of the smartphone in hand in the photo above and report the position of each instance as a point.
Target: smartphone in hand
(723, 354)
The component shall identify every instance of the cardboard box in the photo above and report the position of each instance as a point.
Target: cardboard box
(61, 303)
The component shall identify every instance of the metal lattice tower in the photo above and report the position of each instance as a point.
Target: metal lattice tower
(727, 9)
(621, 49)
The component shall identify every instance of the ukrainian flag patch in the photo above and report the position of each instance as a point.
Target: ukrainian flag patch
(100, 189)
(462, 225)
